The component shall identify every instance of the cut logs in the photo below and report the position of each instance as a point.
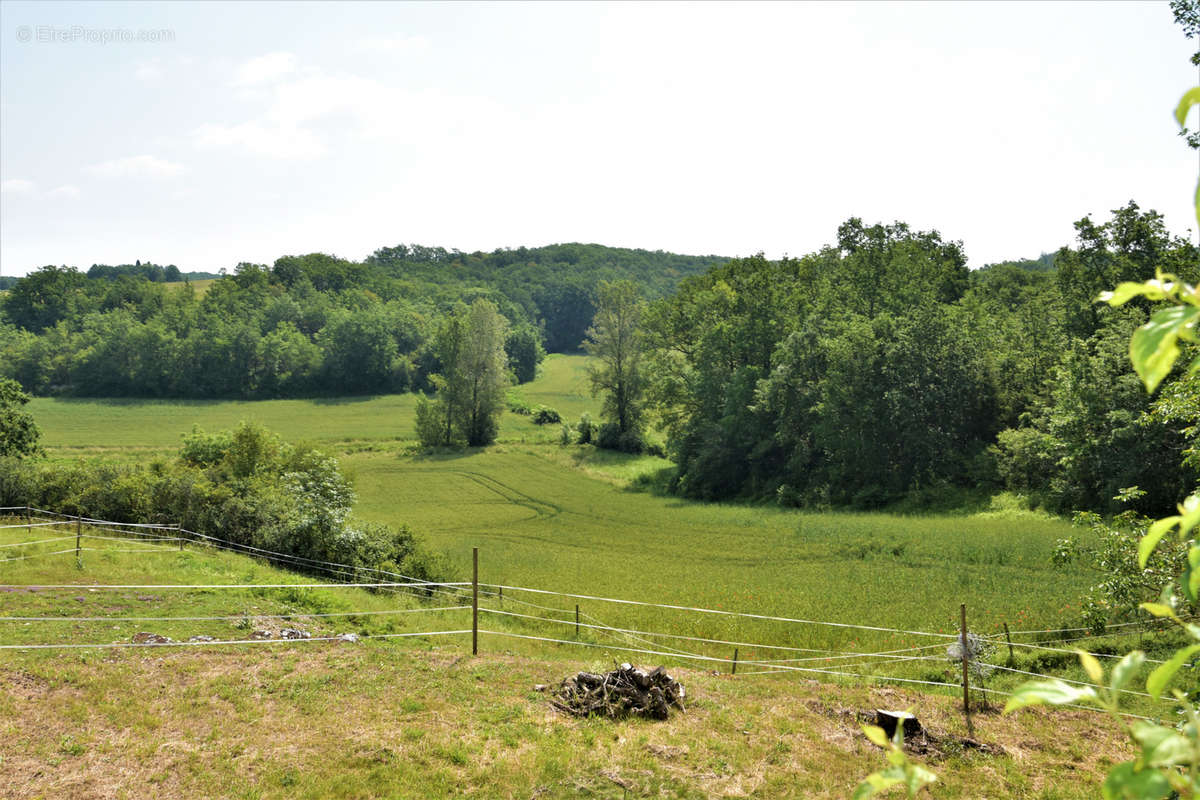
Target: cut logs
(626, 691)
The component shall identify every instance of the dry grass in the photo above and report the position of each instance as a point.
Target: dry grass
(375, 720)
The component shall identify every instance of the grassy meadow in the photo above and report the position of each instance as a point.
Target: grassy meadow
(565, 518)
(419, 717)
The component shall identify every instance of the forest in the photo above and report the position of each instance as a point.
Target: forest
(311, 324)
(876, 369)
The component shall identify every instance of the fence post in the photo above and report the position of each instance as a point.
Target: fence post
(474, 601)
(577, 620)
(179, 535)
(28, 520)
(78, 542)
(1008, 636)
(734, 671)
(965, 660)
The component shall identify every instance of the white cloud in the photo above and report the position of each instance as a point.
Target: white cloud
(16, 186)
(66, 190)
(301, 116)
(265, 69)
(143, 166)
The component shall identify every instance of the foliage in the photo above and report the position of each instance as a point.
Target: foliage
(546, 416)
(244, 485)
(19, 433)
(1169, 758)
(309, 324)
(525, 352)
(470, 388)
(586, 428)
(902, 772)
(1110, 550)
(614, 340)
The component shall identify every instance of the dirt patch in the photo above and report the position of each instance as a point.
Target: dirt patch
(24, 685)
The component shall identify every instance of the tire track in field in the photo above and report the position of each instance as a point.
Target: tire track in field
(540, 508)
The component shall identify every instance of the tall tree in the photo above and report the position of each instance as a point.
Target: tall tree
(470, 386)
(615, 340)
(483, 372)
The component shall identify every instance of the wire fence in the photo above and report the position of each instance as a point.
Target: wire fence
(857, 665)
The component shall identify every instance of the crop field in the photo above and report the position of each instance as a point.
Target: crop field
(565, 519)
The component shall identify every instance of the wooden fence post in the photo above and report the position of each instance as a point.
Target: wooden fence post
(28, 520)
(1008, 636)
(78, 542)
(474, 601)
(577, 620)
(734, 671)
(965, 661)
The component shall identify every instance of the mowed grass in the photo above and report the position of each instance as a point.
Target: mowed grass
(420, 717)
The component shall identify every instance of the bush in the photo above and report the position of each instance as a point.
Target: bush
(546, 416)
(565, 437)
(610, 437)
(244, 486)
(586, 428)
(517, 404)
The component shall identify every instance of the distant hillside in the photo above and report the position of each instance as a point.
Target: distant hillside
(307, 324)
(551, 285)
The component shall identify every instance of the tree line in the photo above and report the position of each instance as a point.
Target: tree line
(305, 325)
(881, 368)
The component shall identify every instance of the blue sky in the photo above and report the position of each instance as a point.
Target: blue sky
(242, 132)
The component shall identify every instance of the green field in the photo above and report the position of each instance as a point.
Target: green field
(417, 717)
(133, 424)
(564, 519)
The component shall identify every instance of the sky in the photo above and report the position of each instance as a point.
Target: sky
(205, 135)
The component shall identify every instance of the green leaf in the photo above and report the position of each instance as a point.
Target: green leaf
(1124, 782)
(1153, 347)
(1157, 531)
(1162, 674)
(1161, 746)
(1158, 609)
(876, 735)
(918, 778)
(1126, 668)
(1091, 666)
(1190, 98)
(1053, 692)
(1191, 574)
(1127, 290)
(878, 782)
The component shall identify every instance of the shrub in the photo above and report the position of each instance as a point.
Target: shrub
(546, 416)
(244, 486)
(610, 437)
(586, 428)
(565, 437)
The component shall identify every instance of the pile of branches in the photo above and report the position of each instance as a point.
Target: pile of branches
(626, 691)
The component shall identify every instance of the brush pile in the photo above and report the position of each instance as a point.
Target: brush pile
(626, 691)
